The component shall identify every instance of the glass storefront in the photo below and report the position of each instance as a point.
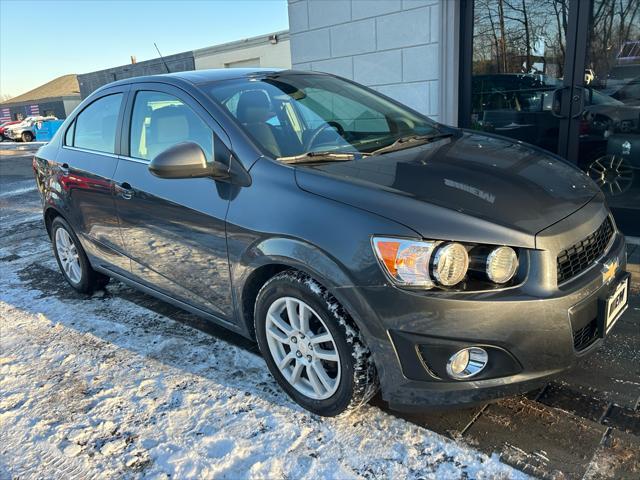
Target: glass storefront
(564, 75)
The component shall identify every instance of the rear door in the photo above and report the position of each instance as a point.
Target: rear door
(174, 230)
(87, 162)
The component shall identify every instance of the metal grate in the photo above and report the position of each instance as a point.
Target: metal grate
(577, 258)
(585, 336)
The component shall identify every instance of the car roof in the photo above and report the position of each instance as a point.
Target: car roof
(197, 77)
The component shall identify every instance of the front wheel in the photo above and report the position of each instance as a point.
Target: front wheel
(72, 259)
(311, 346)
(27, 136)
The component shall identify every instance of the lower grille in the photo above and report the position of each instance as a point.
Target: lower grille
(585, 336)
(580, 256)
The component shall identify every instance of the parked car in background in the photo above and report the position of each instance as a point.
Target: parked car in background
(4, 126)
(359, 242)
(628, 93)
(25, 130)
(521, 106)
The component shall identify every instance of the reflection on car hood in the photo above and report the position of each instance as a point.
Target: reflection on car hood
(471, 185)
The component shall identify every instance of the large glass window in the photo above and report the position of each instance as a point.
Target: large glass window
(527, 84)
(609, 140)
(292, 114)
(96, 125)
(160, 121)
(518, 62)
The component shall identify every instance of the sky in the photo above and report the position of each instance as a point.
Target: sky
(42, 40)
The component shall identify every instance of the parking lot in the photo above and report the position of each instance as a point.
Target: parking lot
(75, 413)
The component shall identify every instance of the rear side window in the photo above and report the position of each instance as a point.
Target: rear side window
(96, 126)
(160, 121)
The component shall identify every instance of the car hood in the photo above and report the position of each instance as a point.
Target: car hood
(471, 187)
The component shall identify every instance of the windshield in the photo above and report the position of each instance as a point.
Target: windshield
(293, 114)
(598, 98)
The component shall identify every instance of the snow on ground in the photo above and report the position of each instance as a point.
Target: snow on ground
(101, 387)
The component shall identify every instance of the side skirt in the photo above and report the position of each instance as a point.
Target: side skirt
(166, 298)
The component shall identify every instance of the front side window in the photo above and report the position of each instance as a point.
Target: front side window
(96, 126)
(293, 114)
(160, 121)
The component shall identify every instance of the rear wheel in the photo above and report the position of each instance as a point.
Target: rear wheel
(311, 346)
(72, 259)
(27, 136)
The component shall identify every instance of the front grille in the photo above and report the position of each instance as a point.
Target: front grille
(585, 336)
(577, 258)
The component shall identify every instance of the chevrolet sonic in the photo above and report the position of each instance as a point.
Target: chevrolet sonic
(362, 244)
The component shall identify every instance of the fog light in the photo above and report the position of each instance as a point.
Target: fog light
(467, 363)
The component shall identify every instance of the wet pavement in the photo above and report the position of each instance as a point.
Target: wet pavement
(584, 424)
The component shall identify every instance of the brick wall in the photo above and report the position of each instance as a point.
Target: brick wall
(389, 45)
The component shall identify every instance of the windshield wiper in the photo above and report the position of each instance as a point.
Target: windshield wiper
(410, 141)
(317, 157)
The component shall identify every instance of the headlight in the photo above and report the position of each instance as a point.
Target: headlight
(502, 264)
(406, 261)
(450, 264)
(430, 263)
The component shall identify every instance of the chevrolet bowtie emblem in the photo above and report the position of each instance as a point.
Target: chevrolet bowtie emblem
(609, 271)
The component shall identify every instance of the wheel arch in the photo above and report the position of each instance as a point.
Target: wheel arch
(50, 214)
(272, 256)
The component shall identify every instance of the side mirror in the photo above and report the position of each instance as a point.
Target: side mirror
(187, 160)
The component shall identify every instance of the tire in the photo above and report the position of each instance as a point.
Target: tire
(349, 379)
(27, 136)
(78, 273)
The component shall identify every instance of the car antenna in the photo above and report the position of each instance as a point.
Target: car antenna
(161, 57)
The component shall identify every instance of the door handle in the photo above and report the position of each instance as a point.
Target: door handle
(556, 102)
(124, 190)
(579, 92)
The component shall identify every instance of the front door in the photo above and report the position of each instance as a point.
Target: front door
(173, 230)
(562, 75)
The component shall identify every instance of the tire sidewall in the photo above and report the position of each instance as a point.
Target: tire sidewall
(288, 287)
(84, 284)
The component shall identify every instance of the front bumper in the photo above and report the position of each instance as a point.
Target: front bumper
(13, 135)
(533, 334)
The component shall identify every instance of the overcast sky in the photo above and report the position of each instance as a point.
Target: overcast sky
(41, 40)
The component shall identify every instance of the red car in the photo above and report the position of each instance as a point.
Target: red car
(5, 125)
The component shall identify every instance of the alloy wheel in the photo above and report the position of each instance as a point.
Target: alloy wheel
(68, 255)
(303, 348)
(612, 173)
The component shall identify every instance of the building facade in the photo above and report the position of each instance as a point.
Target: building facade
(564, 76)
(401, 48)
(179, 62)
(270, 50)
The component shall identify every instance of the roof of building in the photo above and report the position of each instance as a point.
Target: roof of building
(64, 86)
(273, 38)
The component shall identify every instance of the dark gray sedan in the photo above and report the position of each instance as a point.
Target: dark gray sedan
(360, 243)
